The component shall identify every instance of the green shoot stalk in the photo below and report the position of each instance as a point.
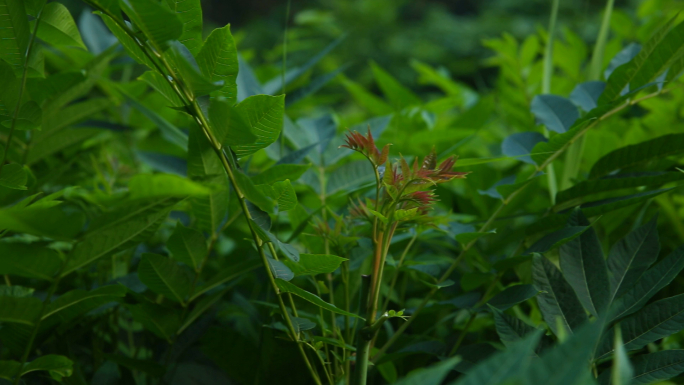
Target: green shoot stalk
(573, 159)
(546, 89)
(363, 343)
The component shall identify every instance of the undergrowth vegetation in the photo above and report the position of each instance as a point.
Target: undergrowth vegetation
(169, 216)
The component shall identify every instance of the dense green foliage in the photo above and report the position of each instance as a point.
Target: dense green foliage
(168, 215)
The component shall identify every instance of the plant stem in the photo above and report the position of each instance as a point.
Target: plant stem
(396, 273)
(546, 89)
(363, 343)
(496, 213)
(573, 159)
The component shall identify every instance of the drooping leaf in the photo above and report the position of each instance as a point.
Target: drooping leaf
(188, 69)
(168, 130)
(163, 276)
(58, 366)
(512, 296)
(188, 246)
(160, 320)
(161, 85)
(586, 94)
(50, 221)
(73, 303)
(253, 194)
(16, 36)
(584, 268)
(218, 62)
(652, 368)
(58, 27)
(559, 302)
(280, 270)
(432, 375)
(313, 264)
(262, 116)
(13, 176)
(288, 287)
(555, 112)
(567, 363)
(556, 239)
(146, 186)
(655, 321)
(23, 310)
(279, 173)
(622, 57)
(630, 257)
(650, 283)
(281, 192)
(118, 229)
(190, 14)
(521, 144)
(350, 177)
(159, 24)
(228, 273)
(503, 366)
(130, 45)
(510, 329)
(635, 154)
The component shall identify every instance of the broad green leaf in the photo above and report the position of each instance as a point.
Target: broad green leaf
(228, 125)
(650, 283)
(399, 96)
(57, 119)
(29, 117)
(252, 194)
(586, 94)
(16, 291)
(58, 366)
(52, 222)
(555, 112)
(313, 264)
(632, 155)
(510, 329)
(163, 276)
(512, 296)
(158, 23)
(15, 35)
(334, 342)
(652, 368)
(23, 310)
(109, 6)
(567, 364)
(279, 173)
(189, 71)
(218, 62)
(556, 239)
(559, 301)
(655, 321)
(43, 146)
(190, 14)
(283, 193)
(432, 375)
(202, 306)
(521, 144)
(288, 287)
(614, 182)
(262, 115)
(160, 320)
(13, 176)
(70, 305)
(130, 45)
(584, 268)
(9, 89)
(57, 27)
(188, 246)
(646, 64)
(228, 273)
(148, 186)
(502, 367)
(205, 166)
(280, 270)
(28, 260)
(630, 257)
(118, 229)
(161, 85)
(8, 369)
